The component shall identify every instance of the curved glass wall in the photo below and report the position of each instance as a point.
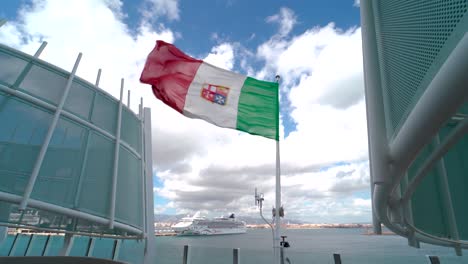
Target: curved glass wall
(73, 189)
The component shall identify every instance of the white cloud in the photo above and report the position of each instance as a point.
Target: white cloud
(216, 170)
(286, 20)
(203, 167)
(362, 202)
(155, 8)
(221, 56)
(357, 3)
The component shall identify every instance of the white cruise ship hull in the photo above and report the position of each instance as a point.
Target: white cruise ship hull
(210, 231)
(196, 226)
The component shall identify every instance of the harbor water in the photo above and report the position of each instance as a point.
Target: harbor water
(307, 246)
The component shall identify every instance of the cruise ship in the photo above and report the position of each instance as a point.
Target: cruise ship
(198, 225)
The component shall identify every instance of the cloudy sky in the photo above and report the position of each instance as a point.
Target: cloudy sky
(314, 45)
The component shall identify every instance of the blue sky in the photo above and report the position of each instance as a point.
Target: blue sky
(314, 46)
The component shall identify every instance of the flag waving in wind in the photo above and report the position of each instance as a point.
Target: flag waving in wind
(200, 90)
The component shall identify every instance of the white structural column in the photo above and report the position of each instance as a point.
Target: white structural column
(41, 48)
(276, 240)
(116, 160)
(449, 212)
(142, 164)
(439, 102)
(377, 134)
(48, 137)
(86, 151)
(149, 254)
(128, 99)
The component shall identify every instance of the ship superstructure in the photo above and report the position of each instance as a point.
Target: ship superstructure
(198, 225)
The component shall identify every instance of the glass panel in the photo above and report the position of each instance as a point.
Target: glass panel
(37, 245)
(103, 248)
(132, 251)
(131, 130)
(5, 246)
(44, 83)
(129, 207)
(10, 68)
(54, 246)
(80, 246)
(97, 178)
(21, 245)
(60, 171)
(105, 113)
(21, 135)
(79, 100)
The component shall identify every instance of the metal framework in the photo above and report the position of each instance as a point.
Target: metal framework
(391, 157)
(144, 156)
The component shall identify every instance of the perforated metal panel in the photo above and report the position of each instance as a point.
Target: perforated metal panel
(414, 39)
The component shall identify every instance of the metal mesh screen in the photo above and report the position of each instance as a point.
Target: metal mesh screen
(414, 38)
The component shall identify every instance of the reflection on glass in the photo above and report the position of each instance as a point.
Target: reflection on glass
(131, 129)
(79, 100)
(58, 178)
(22, 133)
(44, 83)
(105, 113)
(10, 68)
(129, 189)
(94, 195)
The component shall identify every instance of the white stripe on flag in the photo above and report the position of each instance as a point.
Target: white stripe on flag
(207, 99)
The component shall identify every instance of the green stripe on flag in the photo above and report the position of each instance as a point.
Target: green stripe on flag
(258, 110)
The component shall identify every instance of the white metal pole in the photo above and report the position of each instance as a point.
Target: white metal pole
(376, 126)
(128, 99)
(116, 159)
(143, 166)
(148, 146)
(41, 48)
(88, 141)
(276, 240)
(50, 132)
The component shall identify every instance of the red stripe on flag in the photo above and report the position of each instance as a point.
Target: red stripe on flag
(170, 72)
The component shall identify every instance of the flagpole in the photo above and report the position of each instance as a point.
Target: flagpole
(276, 246)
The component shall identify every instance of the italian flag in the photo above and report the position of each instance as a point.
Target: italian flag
(200, 90)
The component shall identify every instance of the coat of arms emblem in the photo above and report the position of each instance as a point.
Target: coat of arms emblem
(215, 93)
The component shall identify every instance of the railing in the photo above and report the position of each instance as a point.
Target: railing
(200, 255)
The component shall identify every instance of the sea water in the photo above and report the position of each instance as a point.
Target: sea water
(307, 246)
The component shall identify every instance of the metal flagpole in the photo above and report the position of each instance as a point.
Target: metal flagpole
(276, 241)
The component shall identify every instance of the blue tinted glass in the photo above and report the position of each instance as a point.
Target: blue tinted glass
(21, 135)
(44, 84)
(103, 248)
(37, 245)
(130, 130)
(79, 100)
(80, 246)
(97, 178)
(129, 203)
(105, 113)
(10, 68)
(60, 170)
